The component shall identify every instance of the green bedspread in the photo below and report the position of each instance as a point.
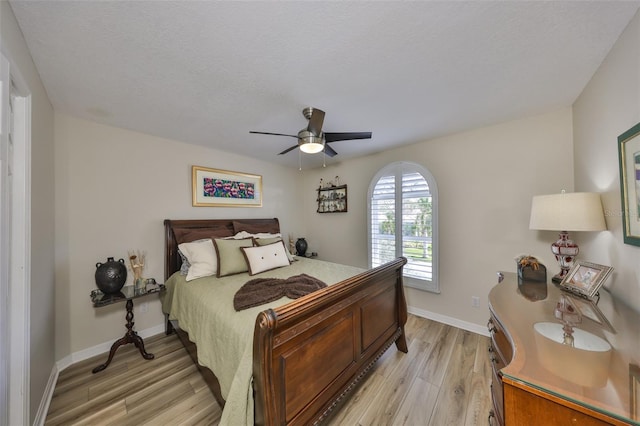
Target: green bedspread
(204, 309)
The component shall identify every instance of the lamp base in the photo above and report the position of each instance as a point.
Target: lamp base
(565, 251)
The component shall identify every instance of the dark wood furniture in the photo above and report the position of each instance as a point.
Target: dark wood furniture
(309, 354)
(537, 380)
(128, 293)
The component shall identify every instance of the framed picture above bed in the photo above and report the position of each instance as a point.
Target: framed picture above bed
(224, 188)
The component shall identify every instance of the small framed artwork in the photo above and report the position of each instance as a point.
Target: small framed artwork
(332, 199)
(224, 188)
(629, 156)
(585, 278)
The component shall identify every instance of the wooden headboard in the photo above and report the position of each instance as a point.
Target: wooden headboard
(183, 231)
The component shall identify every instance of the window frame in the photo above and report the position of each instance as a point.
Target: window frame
(397, 169)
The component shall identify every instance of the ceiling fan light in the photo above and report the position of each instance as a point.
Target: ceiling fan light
(311, 147)
(310, 144)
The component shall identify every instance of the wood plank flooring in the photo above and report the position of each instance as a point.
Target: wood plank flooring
(443, 380)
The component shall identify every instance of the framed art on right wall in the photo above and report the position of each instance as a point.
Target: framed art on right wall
(629, 156)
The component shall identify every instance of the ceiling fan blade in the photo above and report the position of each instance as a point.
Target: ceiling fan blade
(315, 121)
(274, 134)
(334, 137)
(288, 149)
(329, 151)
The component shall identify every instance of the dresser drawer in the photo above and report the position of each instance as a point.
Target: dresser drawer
(500, 342)
(500, 354)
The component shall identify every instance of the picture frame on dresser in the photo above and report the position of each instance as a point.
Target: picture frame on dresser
(585, 278)
(224, 188)
(629, 162)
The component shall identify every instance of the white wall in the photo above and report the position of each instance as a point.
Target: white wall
(486, 179)
(114, 188)
(42, 212)
(608, 106)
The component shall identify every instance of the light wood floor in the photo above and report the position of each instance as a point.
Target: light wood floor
(443, 380)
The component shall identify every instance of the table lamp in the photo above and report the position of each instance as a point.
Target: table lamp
(577, 211)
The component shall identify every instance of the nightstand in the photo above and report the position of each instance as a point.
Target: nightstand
(128, 293)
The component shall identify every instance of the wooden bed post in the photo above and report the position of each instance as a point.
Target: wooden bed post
(401, 343)
(264, 401)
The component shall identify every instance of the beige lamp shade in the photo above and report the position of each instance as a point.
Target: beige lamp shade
(576, 211)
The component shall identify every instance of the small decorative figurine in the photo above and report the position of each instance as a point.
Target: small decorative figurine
(136, 259)
(292, 244)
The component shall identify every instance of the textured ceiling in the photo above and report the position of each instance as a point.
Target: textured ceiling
(207, 72)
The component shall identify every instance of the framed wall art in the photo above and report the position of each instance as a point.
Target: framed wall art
(585, 278)
(629, 156)
(224, 188)
(332, 199)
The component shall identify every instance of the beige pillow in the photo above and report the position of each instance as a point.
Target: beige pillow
(230, 258)
(202, 258)
(265, 258)
(263, 241)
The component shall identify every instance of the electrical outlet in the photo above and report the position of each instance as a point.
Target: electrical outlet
(475, 301)
(144, 308)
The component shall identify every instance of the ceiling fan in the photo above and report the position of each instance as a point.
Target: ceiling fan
(312, 140)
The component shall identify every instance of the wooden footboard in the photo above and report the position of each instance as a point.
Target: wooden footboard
(309, 354)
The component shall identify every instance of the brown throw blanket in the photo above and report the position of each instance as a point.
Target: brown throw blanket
(264, 290)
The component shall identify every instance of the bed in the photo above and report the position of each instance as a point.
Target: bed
(302, 357)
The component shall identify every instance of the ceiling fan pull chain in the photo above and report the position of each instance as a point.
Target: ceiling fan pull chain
(299, 161)
(324, 158)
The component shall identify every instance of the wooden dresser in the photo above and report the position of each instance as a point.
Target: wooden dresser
(538, 380)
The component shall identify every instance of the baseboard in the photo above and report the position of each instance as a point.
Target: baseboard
(41, 415)
(465, 325)
(102, 348)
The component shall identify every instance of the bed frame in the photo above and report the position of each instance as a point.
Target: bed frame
(308, 355)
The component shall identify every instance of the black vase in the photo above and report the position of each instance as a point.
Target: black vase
(111, 275)
(301, 246)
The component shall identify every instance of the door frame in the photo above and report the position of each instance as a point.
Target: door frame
(15, 228)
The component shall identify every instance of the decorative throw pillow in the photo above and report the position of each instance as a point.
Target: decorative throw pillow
(265, 258)
(201, 256)
(260, 241)
(230, 258)
(184, 266)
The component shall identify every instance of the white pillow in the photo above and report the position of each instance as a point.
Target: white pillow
(202, 258)
(265, 258)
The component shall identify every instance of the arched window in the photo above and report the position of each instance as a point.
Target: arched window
(403, 221)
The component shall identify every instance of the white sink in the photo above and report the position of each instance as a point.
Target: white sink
(586, 363)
